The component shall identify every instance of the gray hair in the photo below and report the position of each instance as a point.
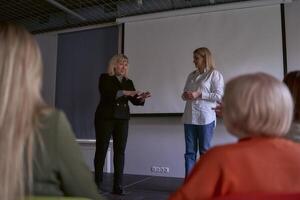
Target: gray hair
(257, 104)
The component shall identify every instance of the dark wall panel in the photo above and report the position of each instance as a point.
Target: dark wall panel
(82, 57)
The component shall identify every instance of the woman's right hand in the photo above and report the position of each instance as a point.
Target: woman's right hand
(189, 95)
(130, 93)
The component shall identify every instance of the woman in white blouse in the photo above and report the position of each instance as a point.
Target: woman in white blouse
(203, 88)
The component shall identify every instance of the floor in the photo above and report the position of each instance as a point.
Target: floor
(139, 187)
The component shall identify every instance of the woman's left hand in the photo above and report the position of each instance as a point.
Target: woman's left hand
(144, 95)
(196, 95)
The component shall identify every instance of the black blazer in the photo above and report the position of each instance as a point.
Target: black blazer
(110, 107)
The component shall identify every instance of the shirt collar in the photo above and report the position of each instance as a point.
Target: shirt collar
(120, 78)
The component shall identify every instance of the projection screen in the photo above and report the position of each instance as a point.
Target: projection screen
(160, 50)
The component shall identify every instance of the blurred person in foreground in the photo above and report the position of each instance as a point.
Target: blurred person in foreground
(258, 110)
(38, 151)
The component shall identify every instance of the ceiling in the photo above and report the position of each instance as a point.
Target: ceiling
(49, 15)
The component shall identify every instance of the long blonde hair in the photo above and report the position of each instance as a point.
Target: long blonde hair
(20, 105)
(209, 61)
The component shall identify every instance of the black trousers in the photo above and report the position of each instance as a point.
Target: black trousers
(118, 129)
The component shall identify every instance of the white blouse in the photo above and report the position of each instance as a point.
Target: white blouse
(211, 85)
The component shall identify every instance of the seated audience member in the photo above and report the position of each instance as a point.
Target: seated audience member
(39, 155)
(292, 80)
(258, 109)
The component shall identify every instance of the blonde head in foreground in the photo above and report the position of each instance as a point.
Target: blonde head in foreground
(21, 105)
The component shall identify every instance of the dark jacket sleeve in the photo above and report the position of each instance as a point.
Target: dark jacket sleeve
(76, 179)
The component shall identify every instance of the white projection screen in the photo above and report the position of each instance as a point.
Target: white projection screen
(160, 50)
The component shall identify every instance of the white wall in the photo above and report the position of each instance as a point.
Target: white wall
(159, 141)
(154, 141)
(292, 16)
(242, 40)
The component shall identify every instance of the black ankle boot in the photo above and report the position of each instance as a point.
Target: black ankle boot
(118, 190)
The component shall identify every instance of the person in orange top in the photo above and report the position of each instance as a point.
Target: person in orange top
(258, 109)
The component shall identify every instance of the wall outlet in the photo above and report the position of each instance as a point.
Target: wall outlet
(159, 169)
(165, 169)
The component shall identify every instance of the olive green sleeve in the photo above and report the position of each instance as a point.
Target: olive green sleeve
(76, 179)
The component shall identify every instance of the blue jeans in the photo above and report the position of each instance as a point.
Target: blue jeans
(196, 137)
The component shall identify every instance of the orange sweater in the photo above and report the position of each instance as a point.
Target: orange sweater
(253, 165)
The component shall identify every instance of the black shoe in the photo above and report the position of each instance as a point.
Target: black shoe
(100, 188)
(100, 191)
(98, 183)
(118, 191)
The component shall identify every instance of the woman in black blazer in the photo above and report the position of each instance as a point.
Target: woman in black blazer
(111, 117)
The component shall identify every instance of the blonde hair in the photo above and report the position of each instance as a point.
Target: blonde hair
(206, 54)
(20, 106)
(257, 104)
(113, 63)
